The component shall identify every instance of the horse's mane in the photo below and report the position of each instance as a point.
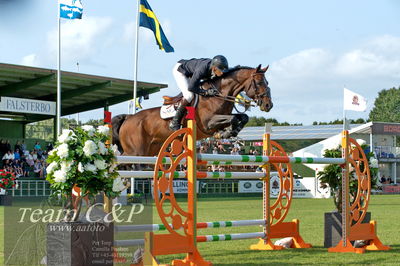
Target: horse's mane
(229, 72)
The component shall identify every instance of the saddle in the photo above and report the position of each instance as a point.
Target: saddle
(172, 99)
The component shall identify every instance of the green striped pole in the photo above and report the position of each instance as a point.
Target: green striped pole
(226, 159)
(161, 227)
(222, 237)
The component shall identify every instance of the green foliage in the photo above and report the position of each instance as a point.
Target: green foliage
(331, 176)
(255, 121)
(340, 121)
(386, 106)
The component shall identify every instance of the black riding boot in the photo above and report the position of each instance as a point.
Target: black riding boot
(175, 124)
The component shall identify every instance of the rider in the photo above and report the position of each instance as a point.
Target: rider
(188, 75)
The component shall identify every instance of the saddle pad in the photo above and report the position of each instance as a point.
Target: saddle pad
(169, 110)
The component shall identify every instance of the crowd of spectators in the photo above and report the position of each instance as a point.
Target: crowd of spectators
(24, 162)
(226, 147)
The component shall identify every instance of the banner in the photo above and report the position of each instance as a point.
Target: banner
(21, 105)
(302, 188)
(179, 187)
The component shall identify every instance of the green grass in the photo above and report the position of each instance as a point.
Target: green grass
(385, 210)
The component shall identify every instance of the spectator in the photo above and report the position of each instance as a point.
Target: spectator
(221, 147)
(389, 180)
(17, 155)
(49, 147)
(18, 168)
(215, 150)
(383, 179)
(8, 156)
(29, 159)
(37, 146)
(17, 146)
(23, 147)
(38, 169)
(3, 148)
(34, 155)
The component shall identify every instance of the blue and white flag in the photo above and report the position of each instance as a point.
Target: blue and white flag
(71, 9)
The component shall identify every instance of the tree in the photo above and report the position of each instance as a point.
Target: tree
(260, 121)
(386, 106)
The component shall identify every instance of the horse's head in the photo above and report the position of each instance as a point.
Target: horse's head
(258, 89)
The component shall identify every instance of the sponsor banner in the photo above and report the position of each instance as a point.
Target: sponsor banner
(250, 186)
(302, 188)
(179, 186)
(386, 129)
(21, 105)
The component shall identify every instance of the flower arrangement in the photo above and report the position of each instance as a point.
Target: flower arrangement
(82, 158)
(7, 180)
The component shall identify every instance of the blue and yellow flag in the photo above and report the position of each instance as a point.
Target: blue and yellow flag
(149, 20)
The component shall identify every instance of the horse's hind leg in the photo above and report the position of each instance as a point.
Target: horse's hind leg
(224, 125)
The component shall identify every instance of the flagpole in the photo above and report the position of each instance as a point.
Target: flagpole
(58, 116)
(136, 58)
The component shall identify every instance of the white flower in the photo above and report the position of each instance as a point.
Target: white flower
(66, 136)
(102, 148)
(90, 129)
(53, 152)
(105, 174)
(90, 148)
(112, 167)
(80, 167)
(100, 164)
(115, 150)
(62, 150)
(60, 176)
(103, 129)
(66, 166)
(373, 162)
(118, 185)
(51, 167)
(91, 168)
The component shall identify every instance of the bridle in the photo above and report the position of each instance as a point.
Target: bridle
(257, 98)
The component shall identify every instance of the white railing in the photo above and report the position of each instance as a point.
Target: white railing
(387, 152)
(31, 188)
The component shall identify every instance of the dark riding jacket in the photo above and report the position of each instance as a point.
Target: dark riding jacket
(196, 70)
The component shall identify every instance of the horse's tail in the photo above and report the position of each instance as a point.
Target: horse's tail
(116, 123)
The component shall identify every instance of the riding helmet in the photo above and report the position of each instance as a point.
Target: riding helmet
(220, 62)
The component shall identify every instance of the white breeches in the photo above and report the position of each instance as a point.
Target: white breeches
(183, 83)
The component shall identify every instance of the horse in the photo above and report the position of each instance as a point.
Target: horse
(143, 133)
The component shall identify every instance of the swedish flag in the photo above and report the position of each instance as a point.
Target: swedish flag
(149, 20)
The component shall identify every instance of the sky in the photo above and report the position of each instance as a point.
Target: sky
(314, 48)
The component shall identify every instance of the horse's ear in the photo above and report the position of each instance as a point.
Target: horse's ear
(264, 69)
(258, 68)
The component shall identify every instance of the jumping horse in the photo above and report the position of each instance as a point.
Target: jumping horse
(143, 133)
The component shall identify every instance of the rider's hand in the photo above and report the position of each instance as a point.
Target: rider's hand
(208, 93)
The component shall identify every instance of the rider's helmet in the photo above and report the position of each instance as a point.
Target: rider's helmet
(220, 62)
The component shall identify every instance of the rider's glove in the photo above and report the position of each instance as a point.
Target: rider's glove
(209, 92)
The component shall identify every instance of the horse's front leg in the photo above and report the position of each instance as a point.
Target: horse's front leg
(242, 121)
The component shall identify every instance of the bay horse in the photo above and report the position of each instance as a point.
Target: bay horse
(143, 133)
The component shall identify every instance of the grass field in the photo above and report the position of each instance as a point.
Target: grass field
(385, 209)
